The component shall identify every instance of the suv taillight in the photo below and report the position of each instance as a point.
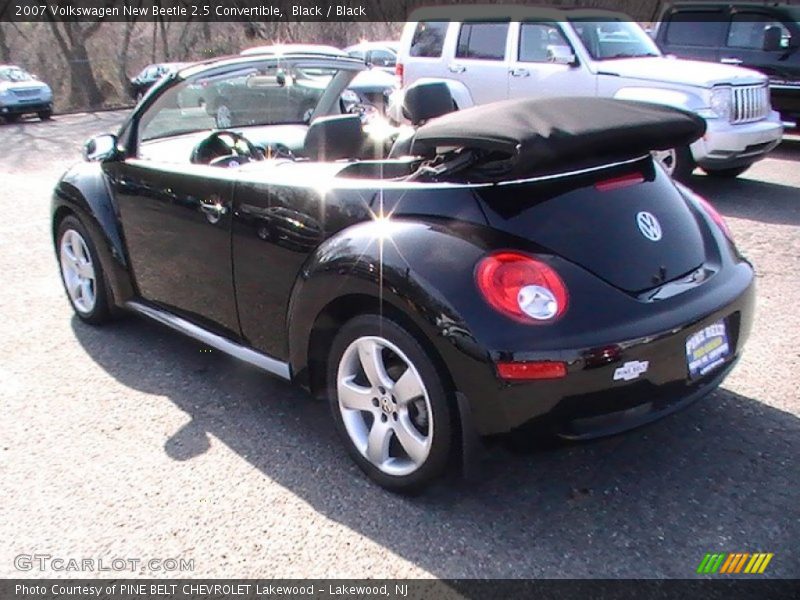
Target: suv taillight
(398, 70)
(521, 287)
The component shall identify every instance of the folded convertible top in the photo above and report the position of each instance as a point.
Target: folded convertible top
(524, 138)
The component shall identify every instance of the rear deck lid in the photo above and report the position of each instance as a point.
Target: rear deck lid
(628, 225)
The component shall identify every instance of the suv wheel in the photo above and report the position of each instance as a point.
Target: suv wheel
(389, 404)
(223, 116)
(677, 162)
(45, 115)
(81, 272)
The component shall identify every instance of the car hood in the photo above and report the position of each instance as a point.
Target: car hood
(23, 85)
(685, 72)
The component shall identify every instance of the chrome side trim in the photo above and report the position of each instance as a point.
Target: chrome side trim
(571, 173)
(248, 355)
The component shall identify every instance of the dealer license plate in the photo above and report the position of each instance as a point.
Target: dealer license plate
(707, 349)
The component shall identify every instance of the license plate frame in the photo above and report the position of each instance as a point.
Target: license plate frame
(707, 349)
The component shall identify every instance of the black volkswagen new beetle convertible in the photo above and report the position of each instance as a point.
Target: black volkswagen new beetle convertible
(517, 263)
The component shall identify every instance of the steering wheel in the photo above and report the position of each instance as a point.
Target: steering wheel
(225, 148)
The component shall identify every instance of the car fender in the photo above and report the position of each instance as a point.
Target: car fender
(667, 97)
(421, 269)
(83, 190)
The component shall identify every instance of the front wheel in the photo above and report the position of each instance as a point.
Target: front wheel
(677, 162)
(726, 173)
(45, 115)
(81, 272)
(389, 404)
(223, 116)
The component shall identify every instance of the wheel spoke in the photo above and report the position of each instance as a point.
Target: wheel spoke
(354, 396)
(407, 387)
(86, 292)
(369, 353)
(411, 440)
(378, 442)
(85, 270)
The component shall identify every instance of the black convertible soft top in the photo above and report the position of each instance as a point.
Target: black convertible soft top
(523, 138)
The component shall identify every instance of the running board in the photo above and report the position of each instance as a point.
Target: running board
(248, 355)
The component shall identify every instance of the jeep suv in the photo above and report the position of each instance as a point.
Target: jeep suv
(501, 52)
(755, 35)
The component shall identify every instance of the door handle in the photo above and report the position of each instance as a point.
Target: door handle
(731, 60)
(214, 211)
(457, 68)
(520, 73)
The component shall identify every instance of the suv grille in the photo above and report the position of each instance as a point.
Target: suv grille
(750, 103)
(26, 93)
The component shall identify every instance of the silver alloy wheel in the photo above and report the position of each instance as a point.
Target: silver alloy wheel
(77, 270)
(389, 420)
(667, 158)
(224, 117)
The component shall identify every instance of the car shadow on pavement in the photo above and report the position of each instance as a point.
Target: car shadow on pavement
(719, 476)
(744, 198)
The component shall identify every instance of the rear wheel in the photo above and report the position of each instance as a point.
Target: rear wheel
(11, 118)
(677, 162)
(726, 173)
(81, 272)
(389, 404)
(223, 116)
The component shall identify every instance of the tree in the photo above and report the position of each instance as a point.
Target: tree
(72, 38)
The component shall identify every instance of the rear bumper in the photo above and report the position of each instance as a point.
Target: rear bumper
(728, 146)
(589, 402)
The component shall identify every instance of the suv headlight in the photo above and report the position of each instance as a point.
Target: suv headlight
(719, 104)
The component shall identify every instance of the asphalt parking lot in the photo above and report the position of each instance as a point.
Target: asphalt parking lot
(130, 441)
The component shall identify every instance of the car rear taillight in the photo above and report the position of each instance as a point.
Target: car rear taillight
(715, 216)
(521, 287)
(399, 71)
(527, 371)
(617, 183)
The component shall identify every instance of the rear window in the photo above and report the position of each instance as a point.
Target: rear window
(748, 30)
(696, 28)
(428, 39)
(483, 41)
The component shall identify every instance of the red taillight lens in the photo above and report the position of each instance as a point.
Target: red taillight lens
(715, 216)
(521, 287)
(399, 71)
(521, 371)
(617, 183)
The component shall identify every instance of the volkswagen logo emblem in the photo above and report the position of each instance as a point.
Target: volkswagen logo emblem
(649, 226)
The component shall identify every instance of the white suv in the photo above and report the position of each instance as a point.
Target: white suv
(499, 52)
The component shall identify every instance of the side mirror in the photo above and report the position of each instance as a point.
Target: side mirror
(772, 39)
(100, 148)
(561, 55)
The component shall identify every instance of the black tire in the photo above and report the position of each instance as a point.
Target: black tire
(442, 429)
(101, 312)
(11, 118)
(45, 115)
(683, 166)
(726, 173)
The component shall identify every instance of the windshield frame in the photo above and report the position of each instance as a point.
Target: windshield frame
(652, 49)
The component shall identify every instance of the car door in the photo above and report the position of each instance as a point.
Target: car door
(479, 60)
(694, 33)
(176, 219)
(531, 74)
(744, 44)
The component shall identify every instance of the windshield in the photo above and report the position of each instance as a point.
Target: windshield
(606, 40)
(14, 74)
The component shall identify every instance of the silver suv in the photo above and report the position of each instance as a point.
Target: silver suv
(494, 53)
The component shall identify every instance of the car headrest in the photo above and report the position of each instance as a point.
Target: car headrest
(428, 100)
(334, 138)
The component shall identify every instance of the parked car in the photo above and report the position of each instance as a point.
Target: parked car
(379, 55)
(454, 289)
(150, 75)
(758, 35)
(543, 53)
(22, 93)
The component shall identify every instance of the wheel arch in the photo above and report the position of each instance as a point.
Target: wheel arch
(82, 192)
